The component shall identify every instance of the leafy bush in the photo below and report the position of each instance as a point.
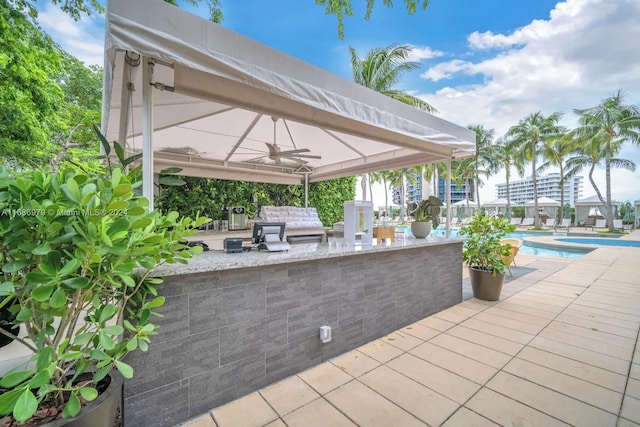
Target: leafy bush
(482, 247)
(77, 252)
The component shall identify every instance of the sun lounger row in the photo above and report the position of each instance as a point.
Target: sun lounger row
(601, 224)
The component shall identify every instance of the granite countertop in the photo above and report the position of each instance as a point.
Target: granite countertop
(219, 260)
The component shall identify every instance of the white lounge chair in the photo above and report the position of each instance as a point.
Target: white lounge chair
(454, 220)
(527, 222)
(550, 223)
(566, 223)
(516, 221)
(617, 225)
(600, 224)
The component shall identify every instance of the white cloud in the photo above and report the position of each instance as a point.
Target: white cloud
(421, 53)
(83, 39)
(446, 70)
(584, 52)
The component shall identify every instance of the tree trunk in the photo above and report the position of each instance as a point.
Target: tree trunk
(507, 176)
(386, 198)
(477, 181)
(593, 183)
(371, 192)
(609, 204)
(560, 214)
(536, 215)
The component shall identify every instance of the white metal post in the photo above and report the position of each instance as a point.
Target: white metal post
(447, 198)
(306, 190)
(147, 130)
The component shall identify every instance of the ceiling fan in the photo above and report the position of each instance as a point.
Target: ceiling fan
(293, 157)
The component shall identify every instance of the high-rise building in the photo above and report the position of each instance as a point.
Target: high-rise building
(466, 190)
(420, 190)
(521, 191)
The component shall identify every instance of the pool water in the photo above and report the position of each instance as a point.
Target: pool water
(525, 248)
(604, 242)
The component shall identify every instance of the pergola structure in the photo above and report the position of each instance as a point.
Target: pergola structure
(592, 206)
(499, 205)
(190, 93)
(545, 204)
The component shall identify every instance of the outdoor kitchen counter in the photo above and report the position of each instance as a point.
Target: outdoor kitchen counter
(219, 260)
(234, 323)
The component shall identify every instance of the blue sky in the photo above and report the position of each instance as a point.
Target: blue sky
(490, 62)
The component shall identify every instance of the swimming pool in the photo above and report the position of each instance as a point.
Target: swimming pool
(601, 241)
(526, 248)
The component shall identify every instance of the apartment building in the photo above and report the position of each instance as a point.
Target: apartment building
(521, 191)
(423, 189)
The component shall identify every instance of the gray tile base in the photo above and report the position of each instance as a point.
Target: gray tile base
(256, 325)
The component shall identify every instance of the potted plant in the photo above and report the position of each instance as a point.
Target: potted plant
(77, 252)
(425, 214)
(483, 253)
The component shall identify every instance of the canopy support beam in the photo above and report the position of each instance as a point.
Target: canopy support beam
(147, 130)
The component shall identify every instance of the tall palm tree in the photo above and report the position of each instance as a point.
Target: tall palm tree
(384, 177)
(482, 158)
(555, 152)
(505, 152)
(399, 178)
(610, 122)
(528, 133)
(591, 151)
(463, 172)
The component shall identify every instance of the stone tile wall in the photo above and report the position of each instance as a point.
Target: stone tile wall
(228, 333)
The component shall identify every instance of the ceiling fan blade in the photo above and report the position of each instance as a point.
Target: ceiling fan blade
(306, 156)
(296, 151)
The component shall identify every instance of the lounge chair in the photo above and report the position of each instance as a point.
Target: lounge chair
(550, 223)
(527, 222)
(566, 223)
(515, 247)
(601, 224)
(617, 225)
(516, 221)
(454, 220)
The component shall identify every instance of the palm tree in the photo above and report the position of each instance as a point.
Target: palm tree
(484, 139)
(528, 133)
(463, 172)
(556, 151)
(590, 152)
(380, 70)
(611, 122)
(506, 152)
(383, 177)
(399, 178)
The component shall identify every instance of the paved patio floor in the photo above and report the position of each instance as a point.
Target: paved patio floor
(558, 349)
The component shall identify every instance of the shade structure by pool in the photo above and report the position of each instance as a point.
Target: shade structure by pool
(603, 242)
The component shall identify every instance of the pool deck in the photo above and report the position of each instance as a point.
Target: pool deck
(559, 348)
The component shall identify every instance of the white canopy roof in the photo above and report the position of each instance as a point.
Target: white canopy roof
(592, 201)
(543, 202)
(222, 91)
(497, 203)
(464, 202)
